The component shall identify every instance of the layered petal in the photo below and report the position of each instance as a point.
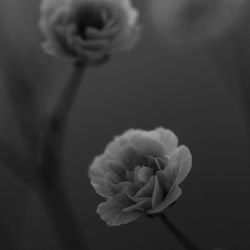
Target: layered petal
(182, 163)
(100, 28)
(112, 212)
(139, 173)
(172, 196)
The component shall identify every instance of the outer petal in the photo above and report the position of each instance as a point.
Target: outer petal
(168, 138)
(101, 166)
(96, 176)
(168, 176)
(147, 145)
(158, 194)
(172, 196)
(183, 159)
(112, 212)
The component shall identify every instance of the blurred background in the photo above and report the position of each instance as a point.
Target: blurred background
(155, 84)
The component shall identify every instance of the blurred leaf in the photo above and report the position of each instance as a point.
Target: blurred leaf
(20, 90)
(17, 163)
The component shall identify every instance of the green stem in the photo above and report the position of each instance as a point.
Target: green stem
(183, 239)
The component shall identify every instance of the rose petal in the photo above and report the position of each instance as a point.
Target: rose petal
(115, 167)
(168, 176)
(183, 159)
(172, 196)
(158, 194)
(110, 181)
(111, 177)
(94, 34)
(144, 174)
(129, 156)
(121, 186)
(147, 189)
(169, 139)
(111, 211)
(146, 145)
(92, 45)
(140, 206)
(96, 175)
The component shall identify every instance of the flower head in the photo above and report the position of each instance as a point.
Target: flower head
(88, 30)
(190, 20)
(139, 173)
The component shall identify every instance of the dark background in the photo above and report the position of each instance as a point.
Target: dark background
(176, 87)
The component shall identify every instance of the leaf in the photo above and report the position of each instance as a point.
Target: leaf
(20, 90)
(17, 163)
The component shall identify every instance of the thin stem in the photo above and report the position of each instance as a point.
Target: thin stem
(51, 188)
(63, 218)
(188, 244)
(57, 121)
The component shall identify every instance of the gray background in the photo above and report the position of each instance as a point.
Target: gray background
(176, 87)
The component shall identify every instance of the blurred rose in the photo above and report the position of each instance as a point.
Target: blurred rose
(139, 173)
(88, 29)
(189, 20)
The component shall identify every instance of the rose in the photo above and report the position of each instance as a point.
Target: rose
(190, 20)
(88, 30)
(139, 173)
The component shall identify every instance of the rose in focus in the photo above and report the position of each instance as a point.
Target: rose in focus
(139, 173)
(88, 30)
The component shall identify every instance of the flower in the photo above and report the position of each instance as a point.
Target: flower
(190, 20)
(139, 173)
(88, 30)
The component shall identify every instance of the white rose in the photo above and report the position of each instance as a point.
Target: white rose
(88, 30)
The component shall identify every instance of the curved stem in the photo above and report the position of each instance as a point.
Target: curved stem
(51, 188)
(186, 242)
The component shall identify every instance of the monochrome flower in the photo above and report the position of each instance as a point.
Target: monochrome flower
(88, 30)
(139, 173)
(190, 20)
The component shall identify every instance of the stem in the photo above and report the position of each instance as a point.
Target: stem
(51, 188)
(55, 131)
(178, 234)
(64, 219)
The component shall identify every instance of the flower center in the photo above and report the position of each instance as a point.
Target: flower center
(144, 174)
(92, 15)
(155, 163)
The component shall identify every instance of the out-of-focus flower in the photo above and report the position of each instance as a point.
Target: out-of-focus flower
(88, 30)
(139, 173)
(189, 20)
